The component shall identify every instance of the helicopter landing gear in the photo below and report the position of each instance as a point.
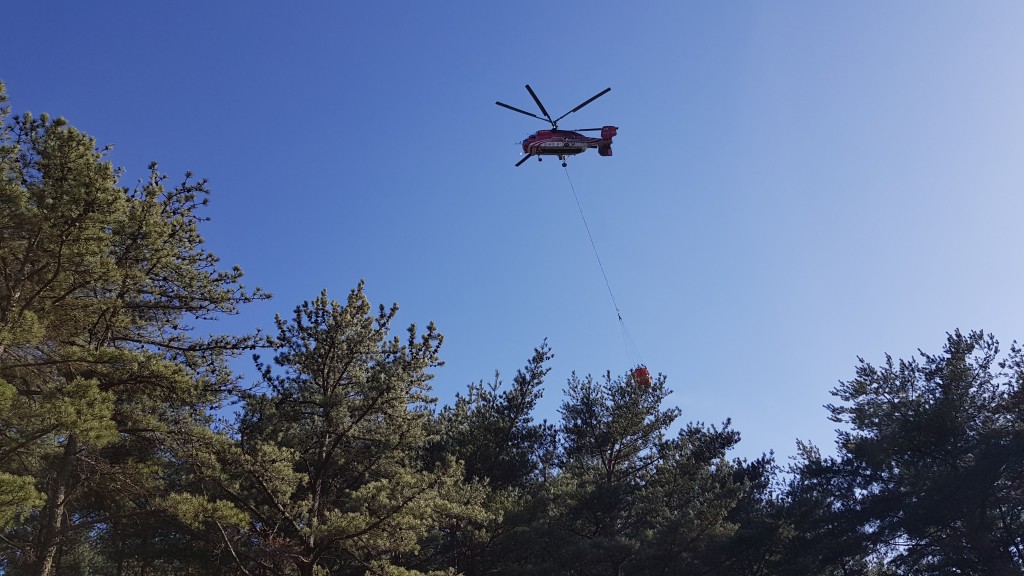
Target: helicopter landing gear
(564, 163)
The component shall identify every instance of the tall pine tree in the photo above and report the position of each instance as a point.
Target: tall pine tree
(329, 475)
(933, 454)
(100, 290)
(491, 430)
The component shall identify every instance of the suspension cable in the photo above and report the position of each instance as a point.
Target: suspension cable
(631, 347)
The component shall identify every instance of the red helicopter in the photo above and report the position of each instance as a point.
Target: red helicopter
(563, 143)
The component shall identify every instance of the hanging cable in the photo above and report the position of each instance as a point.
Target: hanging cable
(592, 245)
(627, 338)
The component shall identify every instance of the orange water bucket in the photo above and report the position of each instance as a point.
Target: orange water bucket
(642, 376)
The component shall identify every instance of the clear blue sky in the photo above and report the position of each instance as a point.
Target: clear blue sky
(794, 183)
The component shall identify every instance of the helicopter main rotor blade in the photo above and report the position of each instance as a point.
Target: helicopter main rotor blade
(514, 109)
(539, 105)
(525, 158)
(595, 97)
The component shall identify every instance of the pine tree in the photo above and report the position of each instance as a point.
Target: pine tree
(933, 455)
(609, 441)
(328, 474)
(628, 499)
(820, 504)
(762, 532)
(491, 430)
(100, 290)
(689, 501)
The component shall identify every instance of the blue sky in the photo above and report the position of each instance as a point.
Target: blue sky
(795, 184)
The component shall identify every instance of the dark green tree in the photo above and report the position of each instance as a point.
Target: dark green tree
(933, 451)
(820, 507)
(101, 288)
(491, 430)
(689, 504)
(328, 474)
(610, 444)
(629, 500)
(762, 532)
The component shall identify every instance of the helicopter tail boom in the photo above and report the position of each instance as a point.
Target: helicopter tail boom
(607, 133)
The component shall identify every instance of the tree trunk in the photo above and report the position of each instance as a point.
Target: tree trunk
(306, 567)
(52, 518)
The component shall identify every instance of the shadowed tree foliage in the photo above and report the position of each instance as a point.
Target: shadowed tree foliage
(762, 532)
(626, 499)
(610, 439)
(100, 366)
(820, 507)
(689, 500)
(933, 457)
(491, 430)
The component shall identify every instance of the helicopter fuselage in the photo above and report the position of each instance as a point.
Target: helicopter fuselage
(564, 143)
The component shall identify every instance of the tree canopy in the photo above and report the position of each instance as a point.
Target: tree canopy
(101, 367)
(117, 455)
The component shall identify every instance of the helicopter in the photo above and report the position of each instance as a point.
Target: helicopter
(563, 143)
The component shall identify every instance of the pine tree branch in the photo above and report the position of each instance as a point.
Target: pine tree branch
(231, 549)
(5, 454)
